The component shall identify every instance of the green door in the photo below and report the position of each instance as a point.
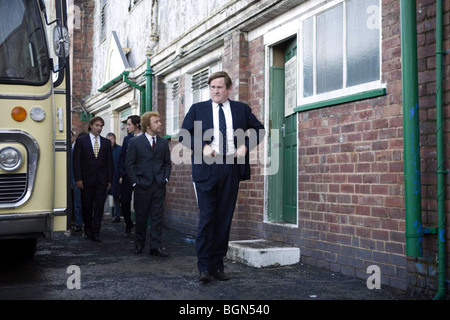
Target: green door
(282, 206)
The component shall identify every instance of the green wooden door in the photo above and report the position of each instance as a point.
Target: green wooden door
(282, 206)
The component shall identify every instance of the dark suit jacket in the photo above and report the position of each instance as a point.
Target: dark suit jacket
(90, 169)
(144, 164)
(123, 155)
(202, 113)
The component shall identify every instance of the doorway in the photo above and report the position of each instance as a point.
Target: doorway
(282, 186)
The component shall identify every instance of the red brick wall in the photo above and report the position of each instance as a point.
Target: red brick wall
(82, 61)
(350, 160)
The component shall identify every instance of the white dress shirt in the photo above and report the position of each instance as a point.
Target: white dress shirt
(230, 133)
(150, 138)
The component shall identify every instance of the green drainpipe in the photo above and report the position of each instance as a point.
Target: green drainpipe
(146, 99)
(440, 153)
(134, 85)
(413, 213)
(148, 87)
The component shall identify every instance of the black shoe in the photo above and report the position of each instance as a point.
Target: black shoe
(204, 277)
(158, 253)
(87, 234)
(77, 229)
(221, 275)
(138, 249)
(116, 220)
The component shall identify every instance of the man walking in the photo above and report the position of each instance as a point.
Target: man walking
(126, 188)
(93, 171)
(148, 166)
(224, 163)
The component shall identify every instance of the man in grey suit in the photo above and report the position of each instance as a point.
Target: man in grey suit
(148, 166)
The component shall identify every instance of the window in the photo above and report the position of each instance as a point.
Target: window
(340, 50)
(103, 21)
(23, 51)
(199, 85)
(173, 98)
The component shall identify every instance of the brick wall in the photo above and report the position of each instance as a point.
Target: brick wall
(350, 159)
(82, 62)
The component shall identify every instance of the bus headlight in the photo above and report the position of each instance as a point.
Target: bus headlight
(10, 158)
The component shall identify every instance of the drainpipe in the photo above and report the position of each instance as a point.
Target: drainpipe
(440, 153)
(148, 87)
(134, 85)
(413, 214)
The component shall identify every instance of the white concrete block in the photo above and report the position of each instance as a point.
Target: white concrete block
(262, 253)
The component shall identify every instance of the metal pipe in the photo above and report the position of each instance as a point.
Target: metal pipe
(148, 87)
(413, 212)
(440, 172)
(134, 85)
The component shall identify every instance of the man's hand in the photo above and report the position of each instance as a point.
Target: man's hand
(79, 184)
(208, 151)
(241, 151)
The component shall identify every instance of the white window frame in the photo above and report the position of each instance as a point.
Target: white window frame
(173, 107)
(202, 89)
(345, 91)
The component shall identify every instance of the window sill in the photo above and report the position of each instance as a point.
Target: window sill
(340, 100)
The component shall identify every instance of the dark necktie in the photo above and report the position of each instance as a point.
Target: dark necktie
(223, 129)
(154, 143)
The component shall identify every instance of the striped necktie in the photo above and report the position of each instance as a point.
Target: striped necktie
(96, 147)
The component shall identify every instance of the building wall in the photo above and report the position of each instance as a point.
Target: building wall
(350, 156)
(81, 60)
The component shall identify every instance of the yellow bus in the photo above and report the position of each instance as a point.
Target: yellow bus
(34, 122)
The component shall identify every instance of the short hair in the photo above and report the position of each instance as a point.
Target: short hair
(221, 74)
(94, 120)
(135, 120)
(145, 118)
(111, 134)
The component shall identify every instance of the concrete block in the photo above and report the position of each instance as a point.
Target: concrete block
(262, 253)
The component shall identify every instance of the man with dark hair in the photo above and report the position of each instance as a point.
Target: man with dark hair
(126, 188)
(93, 171)
(115, 187)
(224, 162)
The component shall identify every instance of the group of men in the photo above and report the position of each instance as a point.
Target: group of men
(224, 162)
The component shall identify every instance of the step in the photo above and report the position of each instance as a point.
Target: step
(262, 253)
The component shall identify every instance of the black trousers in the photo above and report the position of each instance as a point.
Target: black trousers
(149, 203)
(126, 193)
(216, 201)
(93, 199)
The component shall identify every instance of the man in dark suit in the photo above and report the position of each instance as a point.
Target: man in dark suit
(93, 171)
(126, 188)
(148, 166)
(219, 162)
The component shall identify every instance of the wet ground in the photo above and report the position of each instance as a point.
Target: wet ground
(109, 270)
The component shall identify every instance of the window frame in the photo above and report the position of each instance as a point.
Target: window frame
(173, 112)
(345, 94)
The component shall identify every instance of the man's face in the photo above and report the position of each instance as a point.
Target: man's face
(219, 91)
(113, 140)
(156, 125)
(96, 127)
(130, 126)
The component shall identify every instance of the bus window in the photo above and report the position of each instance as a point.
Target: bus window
(23, 52)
